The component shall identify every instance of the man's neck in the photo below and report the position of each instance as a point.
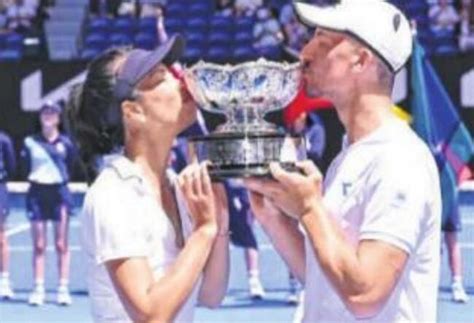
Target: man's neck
(365, 114)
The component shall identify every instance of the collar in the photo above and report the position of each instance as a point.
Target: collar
(127, 170)
(124, 167)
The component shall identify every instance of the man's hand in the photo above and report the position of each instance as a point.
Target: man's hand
(293, 193)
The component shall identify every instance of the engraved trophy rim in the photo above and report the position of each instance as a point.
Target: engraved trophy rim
(232, 103)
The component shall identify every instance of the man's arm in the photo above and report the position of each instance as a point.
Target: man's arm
(363, 275)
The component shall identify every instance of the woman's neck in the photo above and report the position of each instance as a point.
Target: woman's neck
(153, 158)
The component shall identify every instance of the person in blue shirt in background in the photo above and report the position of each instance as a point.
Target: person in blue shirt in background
(7, 170)
(48, 157)
(311, 126)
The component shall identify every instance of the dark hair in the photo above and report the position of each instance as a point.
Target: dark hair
(88, 108)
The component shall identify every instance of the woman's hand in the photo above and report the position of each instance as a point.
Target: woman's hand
(195, 183)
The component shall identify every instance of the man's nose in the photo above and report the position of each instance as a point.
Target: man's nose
(304, 55)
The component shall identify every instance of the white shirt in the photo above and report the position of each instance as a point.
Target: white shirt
(121, 218)
(384, 187)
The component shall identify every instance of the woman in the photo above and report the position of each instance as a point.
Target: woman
(47, 158)
(156, 245)
(7, 169)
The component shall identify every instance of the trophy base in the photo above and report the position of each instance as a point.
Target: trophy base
(260, 171)
(238, 155)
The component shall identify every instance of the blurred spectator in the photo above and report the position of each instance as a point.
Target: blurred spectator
(267, 31)
(296, 34)
(104, 7)
(311, 126)
(224, 8)
(3, 18)
(7, 169)
(241, 222)
(20, 15)
(247, 8)
(443, 16)
(451, 227)
(94, 7)
(128, 8)
(466, 38)
(151, 8)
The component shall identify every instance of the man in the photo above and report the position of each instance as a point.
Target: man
(372, 229)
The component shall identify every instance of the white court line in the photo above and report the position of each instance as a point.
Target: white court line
(17, 229)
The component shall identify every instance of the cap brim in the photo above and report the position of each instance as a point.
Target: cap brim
(320, 16)
(50, 108)
(167, 53)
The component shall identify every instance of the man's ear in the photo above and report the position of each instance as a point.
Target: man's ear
(132, 111)
(362, 59)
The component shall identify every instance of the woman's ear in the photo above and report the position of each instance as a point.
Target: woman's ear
(132, 111)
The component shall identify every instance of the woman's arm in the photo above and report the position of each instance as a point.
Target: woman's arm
(216, 272)
(148, 300)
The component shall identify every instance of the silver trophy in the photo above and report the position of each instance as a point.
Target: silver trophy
(245, 144)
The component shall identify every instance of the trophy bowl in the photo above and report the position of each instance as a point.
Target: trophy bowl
(246, 143)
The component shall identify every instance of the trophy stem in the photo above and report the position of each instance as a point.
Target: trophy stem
(244, 120)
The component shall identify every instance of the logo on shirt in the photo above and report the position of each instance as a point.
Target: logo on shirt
(346, 187)
(399, 199)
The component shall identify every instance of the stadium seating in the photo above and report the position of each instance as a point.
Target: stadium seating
(212, 37)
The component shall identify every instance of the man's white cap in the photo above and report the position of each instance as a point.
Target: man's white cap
(376, 23)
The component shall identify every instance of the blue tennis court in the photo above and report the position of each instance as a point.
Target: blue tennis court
(237, 307)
